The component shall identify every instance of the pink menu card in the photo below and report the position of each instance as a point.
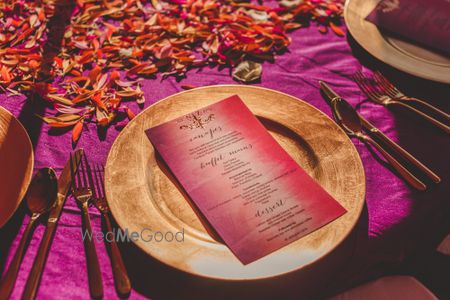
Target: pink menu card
(254, 195)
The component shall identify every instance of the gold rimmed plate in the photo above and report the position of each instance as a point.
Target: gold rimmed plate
(16, 164)
(144, 198)
(399, 53)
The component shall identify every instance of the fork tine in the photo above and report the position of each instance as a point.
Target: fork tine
(383, 78)
(371, 87)
(89, 177)
(386, 86)
(97, 181)
(72, 172)
(361, 81)
(388, 82)
(102, 176)
(80, 170)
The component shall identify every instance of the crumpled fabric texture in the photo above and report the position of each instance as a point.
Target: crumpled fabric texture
(396, 222)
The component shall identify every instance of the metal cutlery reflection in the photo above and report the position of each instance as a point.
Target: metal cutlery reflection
(121, 279)
(399, 150)
(395, 147)
(395, 93)
(350, 121)
(83, 193)
(41, 196)
(385, 93)
(64, 183)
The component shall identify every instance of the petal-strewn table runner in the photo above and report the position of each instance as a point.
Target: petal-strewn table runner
(397, 223)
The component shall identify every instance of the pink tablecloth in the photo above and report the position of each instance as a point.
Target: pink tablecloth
(396, 223)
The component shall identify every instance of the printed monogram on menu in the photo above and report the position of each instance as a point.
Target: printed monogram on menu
(255, 196)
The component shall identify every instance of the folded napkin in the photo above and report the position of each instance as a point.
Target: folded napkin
(424, 21)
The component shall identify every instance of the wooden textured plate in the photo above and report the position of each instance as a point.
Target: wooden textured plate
(142, 195)
(400, 54)
(16, 164)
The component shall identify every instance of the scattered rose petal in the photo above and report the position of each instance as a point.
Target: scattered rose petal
(336, 29)
(290, 3)
(76, 132)
(258, 15)
(247, 71)
(108, 47)
(188, 87)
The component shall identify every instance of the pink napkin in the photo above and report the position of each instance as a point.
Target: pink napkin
(424, 21)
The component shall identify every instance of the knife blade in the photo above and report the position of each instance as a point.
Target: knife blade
(347, 117)
(375, 132)
(64, 184)
(331, 95)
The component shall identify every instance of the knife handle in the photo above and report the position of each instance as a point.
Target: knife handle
(436, 110)
(432, 120)
(34, 278)
(121, 279)
(410, 178)
(400, 151)
(94, 273)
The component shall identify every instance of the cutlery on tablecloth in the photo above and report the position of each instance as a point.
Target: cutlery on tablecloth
(399, 150)
(41, 196)
(82, 192)
(394, 146)
(121, 279)
(385, 93)
(64, 183)
(350, 121)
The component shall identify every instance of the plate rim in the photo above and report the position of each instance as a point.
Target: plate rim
(30, 175)
(328, 252)
(394, 52)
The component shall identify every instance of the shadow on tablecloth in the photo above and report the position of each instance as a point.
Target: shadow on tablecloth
(428, 222)
(158, 281)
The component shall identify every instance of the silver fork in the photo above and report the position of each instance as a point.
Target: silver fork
(395, 93)
(384, 93)
(121, 279)
(83, 193)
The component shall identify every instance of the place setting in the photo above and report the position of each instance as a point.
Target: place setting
(46, 197)
(170, 130)
(409, 35)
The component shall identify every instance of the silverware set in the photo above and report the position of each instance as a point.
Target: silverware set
(41, 197)
(381, 91)
(121, 280)
(64, 183)
(88, 186)
(82, 192)
(47, 194)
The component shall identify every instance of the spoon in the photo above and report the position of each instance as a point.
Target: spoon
(41, 196)
(348, 118)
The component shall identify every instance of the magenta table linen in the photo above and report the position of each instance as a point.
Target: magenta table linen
(397, 220)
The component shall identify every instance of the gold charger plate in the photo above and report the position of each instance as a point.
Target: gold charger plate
(16, 164)
(398, 53)
(142, 195)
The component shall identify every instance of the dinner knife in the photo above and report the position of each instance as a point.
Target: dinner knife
(333, 96)
(399, 150)
(64, 183)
